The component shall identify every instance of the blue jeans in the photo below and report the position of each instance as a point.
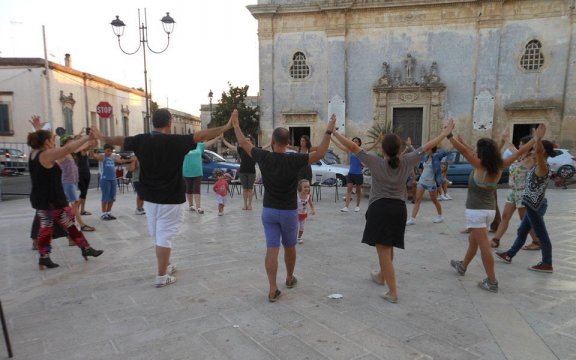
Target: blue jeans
(280, 226)
(534, 220)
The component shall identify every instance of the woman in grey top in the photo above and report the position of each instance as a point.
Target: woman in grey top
(386, 214)
(481, 202)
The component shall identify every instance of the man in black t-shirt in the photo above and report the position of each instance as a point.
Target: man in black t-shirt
(161, 155)
(280, 215)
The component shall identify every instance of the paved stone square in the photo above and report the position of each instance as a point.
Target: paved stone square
(108, 308)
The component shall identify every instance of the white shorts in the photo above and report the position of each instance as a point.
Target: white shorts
(478, 219)
(221, 200)
(164, 222)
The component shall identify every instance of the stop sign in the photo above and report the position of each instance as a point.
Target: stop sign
(104, 109)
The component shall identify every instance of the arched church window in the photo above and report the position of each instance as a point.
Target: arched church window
(533, 59)
(299, 68)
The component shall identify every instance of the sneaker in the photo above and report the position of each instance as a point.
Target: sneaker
(140, 212)
(440, 198)
(447, 197)
(191, 208)
(220, 213)
(344, 209)
(357, 208)
(171, 269)
(438, 219)
(458, 266)
(300, 240)
(105, 217)
(503, 256)
(200, 211)
(165, 280)
(112, 217)
(488, 285)
(541, 267)
(411, 221)
(449, 182)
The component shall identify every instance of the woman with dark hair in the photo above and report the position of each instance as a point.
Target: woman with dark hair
(247, 171)
(386, 214)
(536, 204)
(47, 195)
(481, 201)
(355, 178)
(305, 147)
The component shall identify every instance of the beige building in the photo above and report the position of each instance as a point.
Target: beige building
(489, 64)
(66, 98)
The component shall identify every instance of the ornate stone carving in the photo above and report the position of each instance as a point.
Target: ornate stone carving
(434, 78)
(409, 65)
(408, 97)
(125, 110)
(67, 101)
(385, 79)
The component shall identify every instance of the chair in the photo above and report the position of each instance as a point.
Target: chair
(317, 187)
(235, 186)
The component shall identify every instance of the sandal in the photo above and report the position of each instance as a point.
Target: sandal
(291, 284)
(532, 246)
(495, 243)
(374, 276)
(87, 228)
(84, 213)
(275, 297)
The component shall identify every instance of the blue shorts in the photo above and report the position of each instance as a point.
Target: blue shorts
(280, 226)
(108, 188)
(71, 192)
(430, 188)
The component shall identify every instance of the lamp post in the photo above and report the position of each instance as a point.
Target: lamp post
(210, 95)
(118, 28)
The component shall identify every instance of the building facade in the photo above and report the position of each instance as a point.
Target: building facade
(65, 97)
(489, 64)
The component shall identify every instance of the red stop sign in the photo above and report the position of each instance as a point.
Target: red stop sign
(104, 109)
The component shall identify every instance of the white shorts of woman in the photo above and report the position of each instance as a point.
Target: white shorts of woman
(479, 218)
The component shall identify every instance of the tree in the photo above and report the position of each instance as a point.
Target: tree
(249, 117)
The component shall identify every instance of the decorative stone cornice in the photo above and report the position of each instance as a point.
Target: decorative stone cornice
(67, 101)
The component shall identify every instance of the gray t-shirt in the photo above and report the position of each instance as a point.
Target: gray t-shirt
(387, 182)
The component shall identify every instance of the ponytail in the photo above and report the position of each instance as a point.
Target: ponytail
(391, 147)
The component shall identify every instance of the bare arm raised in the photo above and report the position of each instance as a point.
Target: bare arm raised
(323, 147)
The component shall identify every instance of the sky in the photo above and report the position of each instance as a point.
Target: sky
(215, 42)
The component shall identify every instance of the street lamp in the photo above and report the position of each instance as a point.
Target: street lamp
(118, 28)
(210, 95)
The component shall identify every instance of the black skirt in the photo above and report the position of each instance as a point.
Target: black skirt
(385, 223)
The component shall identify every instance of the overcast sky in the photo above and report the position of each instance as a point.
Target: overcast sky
(214, 42)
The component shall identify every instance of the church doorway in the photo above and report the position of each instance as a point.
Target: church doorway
(409, 122)
(521, 130)
(296, 132)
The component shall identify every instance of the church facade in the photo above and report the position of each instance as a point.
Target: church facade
(490, 65)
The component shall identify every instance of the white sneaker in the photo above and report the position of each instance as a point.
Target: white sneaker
(200, 211)
(447, 196)
(300, 240)
(191, 208)
(411, 221)
(140, 212)
(165, 280)
(171, 269)
(357, 208)
(220, 213)
(440, 198)
(344, 209)
(438, 219)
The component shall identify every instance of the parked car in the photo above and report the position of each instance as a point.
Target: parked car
(322, 171)
(13, 159)
(563, 164)
(367, 183)
(212, 161)
(331, 158)
(459, 169)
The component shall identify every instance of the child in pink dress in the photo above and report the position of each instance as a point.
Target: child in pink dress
(304, 200)
(221, 190)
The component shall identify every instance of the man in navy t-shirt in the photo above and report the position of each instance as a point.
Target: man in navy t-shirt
(280, 214)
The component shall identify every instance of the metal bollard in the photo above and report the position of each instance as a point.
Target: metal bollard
(5, 330)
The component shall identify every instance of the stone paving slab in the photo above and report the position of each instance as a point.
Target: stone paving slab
(108, 308)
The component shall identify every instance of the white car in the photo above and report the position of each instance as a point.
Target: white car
(321, 171)
(563, 164)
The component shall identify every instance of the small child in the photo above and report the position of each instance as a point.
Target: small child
(443, 188)
(304, 199)
(221, 190)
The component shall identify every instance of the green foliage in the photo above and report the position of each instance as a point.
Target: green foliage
(249, 117)
(382, 128)
(153, 106)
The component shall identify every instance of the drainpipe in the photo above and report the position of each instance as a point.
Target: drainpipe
(568, 62)
(87, 112)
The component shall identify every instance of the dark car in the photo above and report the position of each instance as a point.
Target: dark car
(212, 161)
(459, 169)
(13, 159)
